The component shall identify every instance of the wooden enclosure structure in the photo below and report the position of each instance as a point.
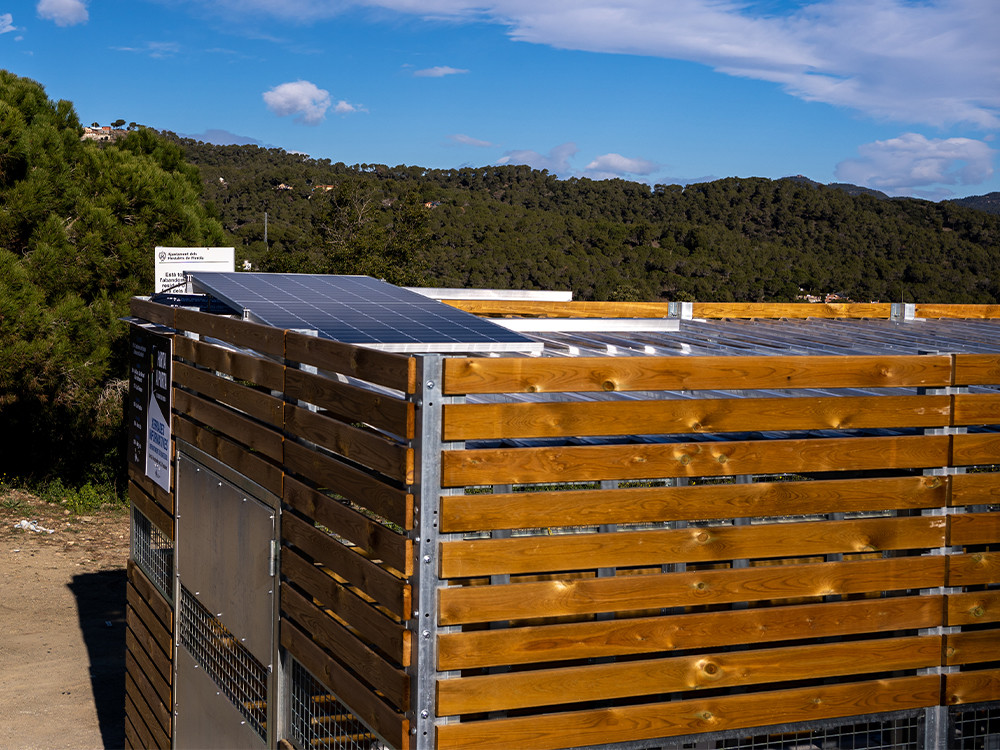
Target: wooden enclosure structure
(637, 546)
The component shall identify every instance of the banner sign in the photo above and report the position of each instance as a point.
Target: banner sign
(149, 404)
(172, 262)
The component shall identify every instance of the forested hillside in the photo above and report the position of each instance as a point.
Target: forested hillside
(79, 221)
(78, 224)
(514, 227)
(989, 202)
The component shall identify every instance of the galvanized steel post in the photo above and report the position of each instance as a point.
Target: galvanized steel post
(427, 502)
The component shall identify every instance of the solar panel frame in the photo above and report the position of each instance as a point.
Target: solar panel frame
(358, 310)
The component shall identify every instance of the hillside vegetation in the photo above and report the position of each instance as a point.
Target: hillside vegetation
(78, 224)
(79, 221)
(515, 227)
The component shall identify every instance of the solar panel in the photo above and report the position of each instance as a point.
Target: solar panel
(358, 310)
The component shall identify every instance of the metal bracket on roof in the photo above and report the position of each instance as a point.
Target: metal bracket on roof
(903, 311)
(682, 310)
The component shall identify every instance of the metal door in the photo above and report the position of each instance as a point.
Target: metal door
(226, 542)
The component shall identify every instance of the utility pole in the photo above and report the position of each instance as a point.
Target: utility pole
(265, 229)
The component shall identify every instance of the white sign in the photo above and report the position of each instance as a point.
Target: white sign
(172, 262)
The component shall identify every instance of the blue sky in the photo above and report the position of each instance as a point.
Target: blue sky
(899, 95)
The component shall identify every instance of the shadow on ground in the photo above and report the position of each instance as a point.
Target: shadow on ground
(100, 605)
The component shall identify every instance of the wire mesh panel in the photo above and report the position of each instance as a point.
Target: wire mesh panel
(975, 727)
(153, 552)
(886, 732)
(319, 719)
(231, 666)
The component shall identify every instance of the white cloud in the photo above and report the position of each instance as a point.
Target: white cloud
(7, 23)
(616, 165)
(439, 71)
(303, 99)
(556, 161)
(346, 108)
(158, 50)
(932, 61)
(63, 12)
(911, 162)
(936, 62)
(468, 140)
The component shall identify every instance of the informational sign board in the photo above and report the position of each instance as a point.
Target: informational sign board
(172, 262)
(149, 404)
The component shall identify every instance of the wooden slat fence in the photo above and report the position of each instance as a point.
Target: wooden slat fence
(327, 428)
(653, 564)
(619, 561)
(762, 310)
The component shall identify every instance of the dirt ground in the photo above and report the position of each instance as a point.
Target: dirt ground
(62, 626)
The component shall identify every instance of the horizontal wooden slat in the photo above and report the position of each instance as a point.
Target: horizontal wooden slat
(388, 635)
(392, 503)
(252, 434)
(555, 598)
(645, 635)
(580, 463)
(676, 718)
(265, 372)
(151, 595)
(374, 451)
(977, 408)
(620, 549)
(793, 310)
(589, 374)
(378, 583)
(262, 406)
(681, 416)
(484, 512)
(974, 608)
(154, 312)
(162, 498)
(594, 682)
(382, 368)
(392, 548)
(974, 528)
(151, 510)
(392, 682)
(961, 688)
(255, 467)
(972, 647)
(560, 309)
(242, 333)
(974, 569)
(982, 312)
(977, 369)
(379, 410)
(976, 448)
(979, 488)
(389, 724)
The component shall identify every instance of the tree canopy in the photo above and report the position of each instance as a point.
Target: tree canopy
(78, 224)
(735, 239)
